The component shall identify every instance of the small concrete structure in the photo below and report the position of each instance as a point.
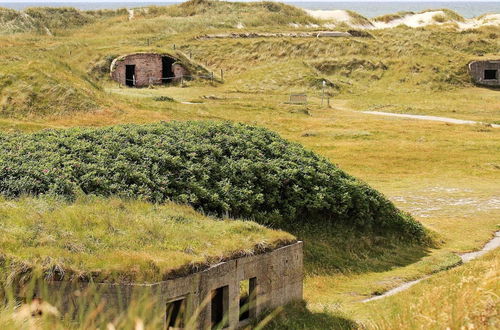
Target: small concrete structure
(333, 34)
(145, 69)
(212, 297)
(485, 73)
(243, 35)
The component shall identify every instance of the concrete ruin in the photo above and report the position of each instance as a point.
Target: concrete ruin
(146, 69)
(485, 73)
(228, 295)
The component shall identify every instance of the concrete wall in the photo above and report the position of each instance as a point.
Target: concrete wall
(477, 69)
(278, 277)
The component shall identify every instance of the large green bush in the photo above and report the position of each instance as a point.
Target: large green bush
(225, 169)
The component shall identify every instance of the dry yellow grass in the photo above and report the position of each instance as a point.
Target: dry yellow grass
(463, 298)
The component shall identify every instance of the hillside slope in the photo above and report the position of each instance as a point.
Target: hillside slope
(66, 75)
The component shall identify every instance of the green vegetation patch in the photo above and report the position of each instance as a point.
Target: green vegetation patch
(116, 240)
(222, 168)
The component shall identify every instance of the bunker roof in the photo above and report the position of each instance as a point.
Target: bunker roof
(113, 240)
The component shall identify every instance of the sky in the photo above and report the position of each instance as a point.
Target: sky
(42, 1)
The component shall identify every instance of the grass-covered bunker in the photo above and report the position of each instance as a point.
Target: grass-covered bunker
(194, 271)
(485, 72)
(224, 169)
(145, 69)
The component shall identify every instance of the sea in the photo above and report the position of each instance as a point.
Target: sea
(467, 9)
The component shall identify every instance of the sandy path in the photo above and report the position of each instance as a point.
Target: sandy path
(466, 257)
(431, 118)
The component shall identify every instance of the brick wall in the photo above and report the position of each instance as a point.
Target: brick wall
(147, 66)
(148, 69)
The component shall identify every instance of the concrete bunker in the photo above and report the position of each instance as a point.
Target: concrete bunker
(486, 72)
(228, 295)
(146, 69)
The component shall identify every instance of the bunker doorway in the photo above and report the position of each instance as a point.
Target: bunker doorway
(167, 72)
(490, 74)
(130, 75)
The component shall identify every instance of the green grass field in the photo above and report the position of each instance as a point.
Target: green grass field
(446, 175)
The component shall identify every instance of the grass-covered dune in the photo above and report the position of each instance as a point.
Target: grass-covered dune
(120, 241)
(68, 75)
(224, 169)
(56, 21)
(48, 20)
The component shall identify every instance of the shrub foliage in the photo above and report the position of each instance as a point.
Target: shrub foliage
(225, 169)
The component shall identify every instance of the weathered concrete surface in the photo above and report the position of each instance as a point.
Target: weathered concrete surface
(331, 34)
(278, 276)
(478, 71)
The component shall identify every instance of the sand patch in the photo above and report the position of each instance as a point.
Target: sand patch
(334, 15)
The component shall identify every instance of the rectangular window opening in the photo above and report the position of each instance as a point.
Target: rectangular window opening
(220, 307)
(490, 74)
(175, 315)
(248, 297)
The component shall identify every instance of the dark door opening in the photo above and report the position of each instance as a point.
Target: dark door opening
(220, 302)
(130, 75)
(248, 297)
(175, 314)
(167, 73)
(490, 74)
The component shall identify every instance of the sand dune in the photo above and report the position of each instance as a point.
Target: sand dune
(334, 15)
(436, 17)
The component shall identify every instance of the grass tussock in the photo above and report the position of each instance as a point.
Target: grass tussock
(120, 241)
(391, 17)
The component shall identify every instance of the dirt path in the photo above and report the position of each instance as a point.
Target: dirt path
(431, 118)
(466, 257)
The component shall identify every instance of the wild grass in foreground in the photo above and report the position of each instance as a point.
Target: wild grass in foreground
(89, 306)
(466, 297)
(78, 309)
